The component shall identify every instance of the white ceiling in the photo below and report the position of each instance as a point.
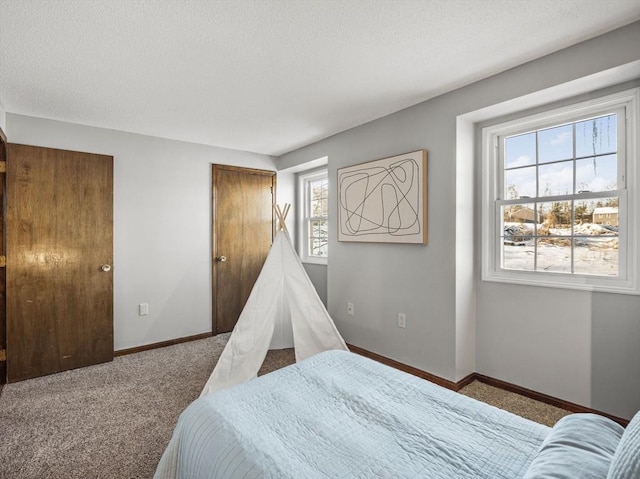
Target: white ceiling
(269, 76)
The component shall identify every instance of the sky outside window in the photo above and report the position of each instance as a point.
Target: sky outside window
(542, 163)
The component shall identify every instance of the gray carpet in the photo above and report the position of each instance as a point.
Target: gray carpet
(521, 405)
(114, 420)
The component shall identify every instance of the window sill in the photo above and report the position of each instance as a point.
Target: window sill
(575, 282)
(311, 260)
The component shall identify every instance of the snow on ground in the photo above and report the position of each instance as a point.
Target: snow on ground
(587, 229)
(594, 253)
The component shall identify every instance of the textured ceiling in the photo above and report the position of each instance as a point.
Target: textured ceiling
(269, 76)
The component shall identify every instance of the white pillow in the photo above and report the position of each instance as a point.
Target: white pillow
(626, 461)
(579, 446)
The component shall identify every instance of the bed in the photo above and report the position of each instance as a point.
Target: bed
(340, 415)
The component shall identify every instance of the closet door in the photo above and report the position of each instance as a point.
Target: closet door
(59, 231)
(242, 235)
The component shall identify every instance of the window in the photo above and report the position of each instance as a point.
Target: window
(314, 189)
(560, 197)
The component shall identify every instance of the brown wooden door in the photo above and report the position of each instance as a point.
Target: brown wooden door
(243, 221)
(59, 222)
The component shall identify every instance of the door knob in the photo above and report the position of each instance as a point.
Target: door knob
(106, 268)
(221, 259)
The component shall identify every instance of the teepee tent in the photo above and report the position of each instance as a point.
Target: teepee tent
(283, 310)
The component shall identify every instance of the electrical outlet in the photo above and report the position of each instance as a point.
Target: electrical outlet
(143, 309)
(350, 310)
(402, 320)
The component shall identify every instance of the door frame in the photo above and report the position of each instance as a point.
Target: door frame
(3, 277)
(214, 219)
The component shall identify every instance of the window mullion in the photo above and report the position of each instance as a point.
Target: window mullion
(575, 190)
(498, 152)
(536, 222)
(622, 148)
(573, 238)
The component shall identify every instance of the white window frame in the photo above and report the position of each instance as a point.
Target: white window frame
(627, 281)
(304, 195)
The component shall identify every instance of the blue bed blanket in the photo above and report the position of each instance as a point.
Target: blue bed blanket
(340, 415)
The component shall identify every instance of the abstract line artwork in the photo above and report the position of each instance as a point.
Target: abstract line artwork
(385, 200)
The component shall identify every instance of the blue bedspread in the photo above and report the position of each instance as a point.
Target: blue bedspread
(339, 415)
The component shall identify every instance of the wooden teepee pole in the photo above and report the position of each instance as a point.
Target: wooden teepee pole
(281, 214)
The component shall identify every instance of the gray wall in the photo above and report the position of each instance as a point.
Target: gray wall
(162, 223)
(318, 275)
(585, 350)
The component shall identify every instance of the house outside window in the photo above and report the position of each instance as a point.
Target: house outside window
(560, 197)
(606, 215)
(314, 234)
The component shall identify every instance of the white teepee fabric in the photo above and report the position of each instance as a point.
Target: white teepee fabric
(283, 310)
